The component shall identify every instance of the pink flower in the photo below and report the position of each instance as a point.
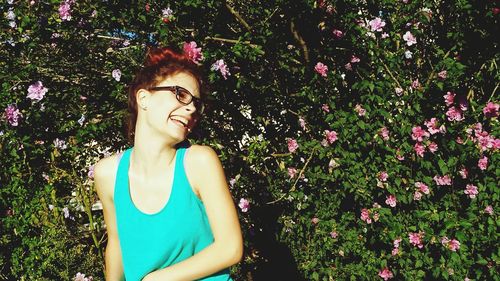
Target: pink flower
(81, 277)
(399, 156)
(117, 74)
(391, 200)
(396, 242)
(432, 126)
(383, 176)
(443, 74)
(416, 238)
(463, 103)
(91, 172)
(385, 274)
(244, 205)
(483, 163)
(302, 123)
(232, 182)
(193, 53)
(453, 244)
(315, 220)
(486, 141)
(398, 91)
(365, 215)
(36, 91)
(167, 13)
(444, 180)
(454, 114)
(292, 145)
(463, 172)
(489, 210)
(325, 108)
(415, 84)
(449, 98)
(376, 24)
(384, 35)
(491, 110)
(321, 69)
(433, 147)
(418, 134)
(422, 187)
(417, 196)
(355, 59)
(337, 33)
(384, 133)
(334, 234)
(348, 66)
(395, 251)
(360, 110)
(292, 172)
(65, 10)
(13, 115)
(471, 190)
(409, 38)
(221, 66)
(331, 136)
(419, 149)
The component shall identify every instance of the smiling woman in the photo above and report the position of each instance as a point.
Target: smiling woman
(167, 207)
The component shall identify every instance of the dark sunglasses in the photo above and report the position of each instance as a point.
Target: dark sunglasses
(183, 96)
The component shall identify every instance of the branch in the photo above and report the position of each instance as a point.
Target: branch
(233, 41)
(238, 17)
(433, 72)
(301, 41)
(298, 177)
(389, 71)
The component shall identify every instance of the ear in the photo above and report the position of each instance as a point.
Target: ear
(142, 97)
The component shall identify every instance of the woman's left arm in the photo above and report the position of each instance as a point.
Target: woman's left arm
(208, 176)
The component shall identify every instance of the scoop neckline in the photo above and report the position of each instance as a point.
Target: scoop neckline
(172, 185)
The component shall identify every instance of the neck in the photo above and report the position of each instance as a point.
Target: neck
(151, 158)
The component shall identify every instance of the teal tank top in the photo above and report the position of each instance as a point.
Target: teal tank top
(179, 230)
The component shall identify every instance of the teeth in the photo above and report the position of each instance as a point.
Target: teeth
(184, 122)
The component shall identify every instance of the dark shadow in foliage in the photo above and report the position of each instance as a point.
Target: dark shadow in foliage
(276, 261)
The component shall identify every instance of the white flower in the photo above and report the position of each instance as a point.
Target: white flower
(116, 74)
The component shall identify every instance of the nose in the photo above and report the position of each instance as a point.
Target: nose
(190, 107)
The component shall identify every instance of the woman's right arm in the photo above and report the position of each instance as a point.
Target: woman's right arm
(104, 175)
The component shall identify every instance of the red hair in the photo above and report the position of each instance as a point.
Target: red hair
(160, 62)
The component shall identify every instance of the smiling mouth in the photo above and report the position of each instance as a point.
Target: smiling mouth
(179, 122)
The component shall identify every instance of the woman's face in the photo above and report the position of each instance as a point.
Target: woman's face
(164, 113)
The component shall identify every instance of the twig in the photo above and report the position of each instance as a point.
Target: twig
(493, 93)
(389, 71)
(297, 180)
(238, 17)
(233, 41)
(110, 37)
(301, 41)
(433, 72)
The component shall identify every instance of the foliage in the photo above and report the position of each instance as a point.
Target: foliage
(334, 161)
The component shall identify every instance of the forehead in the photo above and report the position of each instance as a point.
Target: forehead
(183, 79)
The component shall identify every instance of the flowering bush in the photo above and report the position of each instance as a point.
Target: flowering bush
(360, 139)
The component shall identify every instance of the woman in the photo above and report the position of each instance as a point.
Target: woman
(167, 207)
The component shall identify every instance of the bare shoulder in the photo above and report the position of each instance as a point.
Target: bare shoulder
(202, 162)
(202, 155)
(105, 174)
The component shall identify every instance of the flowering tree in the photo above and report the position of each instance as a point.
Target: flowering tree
(360, 139)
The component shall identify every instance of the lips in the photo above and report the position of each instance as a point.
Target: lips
(181, 121)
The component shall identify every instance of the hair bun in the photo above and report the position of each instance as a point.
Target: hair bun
(161, 55)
